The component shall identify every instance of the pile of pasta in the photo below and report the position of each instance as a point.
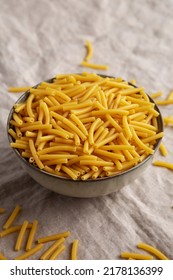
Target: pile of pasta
(85, 126)
(34, 245)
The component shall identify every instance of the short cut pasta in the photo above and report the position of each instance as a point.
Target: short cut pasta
(78, 124)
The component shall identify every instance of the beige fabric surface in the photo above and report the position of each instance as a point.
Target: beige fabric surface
(39, 39)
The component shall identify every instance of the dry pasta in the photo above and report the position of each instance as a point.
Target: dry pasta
(31, 235)
(21, 235)
(88, 115)
(74, 249)
(89, 50)
(51, 249)
(18, 89)
(152, 250)
(163, 150)
(12, 229)
(163, 164)
(156, 94)
(31, 252)
(136, 256)
(12, 217)
(53, 237)
(94, 65)
(57, 252)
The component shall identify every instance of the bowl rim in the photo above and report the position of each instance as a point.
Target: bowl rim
(24, 96)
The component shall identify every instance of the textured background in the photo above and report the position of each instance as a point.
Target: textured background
(39, 39)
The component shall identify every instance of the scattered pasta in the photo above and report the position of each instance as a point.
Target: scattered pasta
(85, 120)
(18, 89)
(156, 94)
(152, 250)
(88, 57)
(136, 256)
(94, 65)
(89, 50)
(52, 252)
(163, 164)
(31, 235)
(21, 235)
(53, 237)
(12, 217)
(74, 249)
(163, 150)
(168, 120)
(31, 252)
(57, 252)
(52, 249)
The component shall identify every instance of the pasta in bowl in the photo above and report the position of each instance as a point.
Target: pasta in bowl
(85, 135)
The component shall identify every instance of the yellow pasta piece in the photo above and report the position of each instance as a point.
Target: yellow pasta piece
(163, 164)
(140, 143)
(74, 249)
(34, 154)
(127, 128)
(154, 137)
(18, 132)
(89, 50)
(108, 154)
(127, 255)
(31, 252)
(36, 127)
(79, 123)
(12, 229)
(164, 102)
(18, 119)
(52, 248)
(29, 105)
(109, 111)
(12, 217)
(157, 94)
(31, 235)
(105, 141)
(12, 133)
(69, 172)
(53, 237)
(18, 89)
(152, 250)
(57, 252)
(96, 163)
(57, 148)
(21, 235)
(91, 131)
(94, 65)
(163, 150)
(168, 120)
(88, 175)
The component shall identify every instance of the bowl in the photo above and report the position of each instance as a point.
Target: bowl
(89, 188)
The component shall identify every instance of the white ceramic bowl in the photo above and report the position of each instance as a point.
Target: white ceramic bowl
(89, 188)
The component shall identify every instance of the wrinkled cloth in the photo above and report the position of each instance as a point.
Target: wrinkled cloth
(39, 39)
